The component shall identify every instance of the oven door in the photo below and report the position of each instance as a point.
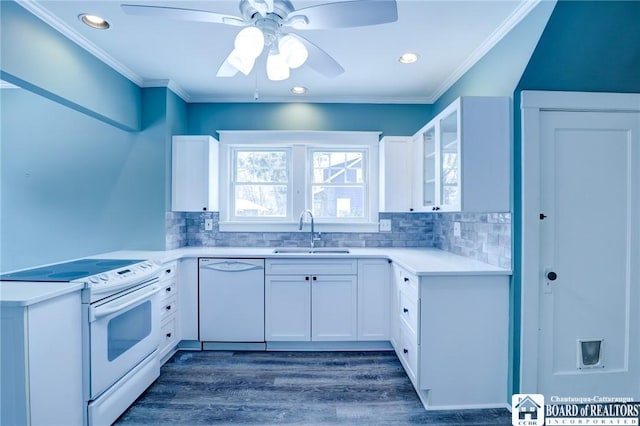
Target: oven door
(123, 331)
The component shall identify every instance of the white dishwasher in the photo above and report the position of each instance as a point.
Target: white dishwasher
(231, 300)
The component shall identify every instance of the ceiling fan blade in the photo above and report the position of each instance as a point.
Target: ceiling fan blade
(182, 14)
(344, 14)
(320, 60)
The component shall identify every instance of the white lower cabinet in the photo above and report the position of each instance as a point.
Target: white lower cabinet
(374, 278)
(169, 307)
(41, 363)
(451, 336)
(287, 308)
(317, 301)
(334, 305)
(188, 303)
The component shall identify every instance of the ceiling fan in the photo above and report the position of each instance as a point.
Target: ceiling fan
(264, 23)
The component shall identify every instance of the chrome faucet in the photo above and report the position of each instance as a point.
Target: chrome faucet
(313, 232)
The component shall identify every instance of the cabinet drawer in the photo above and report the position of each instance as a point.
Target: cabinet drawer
(311, 266)
(168, 307)
(169, 289)
(407, 282)
(409, 311)
(168, 334)
(169, 270)
(408, 351)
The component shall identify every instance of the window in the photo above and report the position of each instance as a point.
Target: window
(260, 183)
(268, 178)
(338, 186)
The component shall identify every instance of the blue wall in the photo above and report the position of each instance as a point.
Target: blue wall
(391, 119)
(591, 46)
(72, 186)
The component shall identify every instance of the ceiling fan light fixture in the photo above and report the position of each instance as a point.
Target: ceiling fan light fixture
(242, 63)
(277, 68)
(249, 42)
(294, 51)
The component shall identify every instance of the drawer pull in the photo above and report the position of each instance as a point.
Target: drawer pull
(168, 307)
(406, 280)
(405, 310)
(405, 350)
(168, 271)
(168, 290)
(168, 335)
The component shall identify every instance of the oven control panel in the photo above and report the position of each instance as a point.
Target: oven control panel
(123, 277)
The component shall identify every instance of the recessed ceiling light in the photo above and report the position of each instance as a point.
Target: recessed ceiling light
(298, 90)
(408, 58)
(94, 21)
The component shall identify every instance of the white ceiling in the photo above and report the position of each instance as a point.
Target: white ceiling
(448, 35)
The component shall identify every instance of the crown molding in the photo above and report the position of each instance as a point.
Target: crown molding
(310, 99)
(7, 85)
(509, 24)
(41, 12)
(169, 84)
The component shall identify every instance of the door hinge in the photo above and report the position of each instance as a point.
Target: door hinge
(542, 216)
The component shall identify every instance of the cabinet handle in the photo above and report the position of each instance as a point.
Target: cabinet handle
(204, 209)
(406, 280)
(168, 271)
(168, 307)
(405, 350)
(168, 335)
(168, 289)
(306, 278)
(315, 278)
(405, 310)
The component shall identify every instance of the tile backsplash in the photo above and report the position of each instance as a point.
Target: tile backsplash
(484, 236)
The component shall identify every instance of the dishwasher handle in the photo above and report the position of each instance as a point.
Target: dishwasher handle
(232, 266)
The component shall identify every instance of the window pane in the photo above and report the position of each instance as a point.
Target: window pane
(338, 201)
(337, 167)
(261, 166)
(261, 200)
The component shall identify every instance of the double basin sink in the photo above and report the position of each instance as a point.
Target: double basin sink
(306, 250)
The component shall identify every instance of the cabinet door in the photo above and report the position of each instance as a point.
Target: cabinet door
(425, 166)
(287, 308)
(194, 174)
(188, 300)
(373, 299)
(334, 307)
(396, 174)
(449, 188)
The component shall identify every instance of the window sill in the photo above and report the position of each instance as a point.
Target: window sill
(293, 227)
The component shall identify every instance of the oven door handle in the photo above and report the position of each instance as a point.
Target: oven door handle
(98, 312)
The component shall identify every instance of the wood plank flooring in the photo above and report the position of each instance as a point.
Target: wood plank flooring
(290, 388)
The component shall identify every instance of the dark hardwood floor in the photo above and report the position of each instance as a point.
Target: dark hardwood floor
(290, 388)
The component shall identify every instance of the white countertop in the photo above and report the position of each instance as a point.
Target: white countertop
(25, 293)
(418, 261)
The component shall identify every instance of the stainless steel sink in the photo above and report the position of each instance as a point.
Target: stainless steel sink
(301, 250)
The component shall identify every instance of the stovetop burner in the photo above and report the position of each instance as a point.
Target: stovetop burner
(68, 271)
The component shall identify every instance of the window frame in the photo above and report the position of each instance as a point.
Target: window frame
(301, 145)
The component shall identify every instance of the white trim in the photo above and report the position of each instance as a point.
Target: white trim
(314, 99)
(509, 24)
(291, 136)
(54, 22)
(169, 84)
(532, 103)
(7, 85)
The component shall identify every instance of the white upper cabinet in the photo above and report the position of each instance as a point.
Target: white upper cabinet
(395, 173)
(194, 174)
(462, 158)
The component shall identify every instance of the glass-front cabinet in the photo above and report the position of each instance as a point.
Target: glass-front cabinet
(462, 158)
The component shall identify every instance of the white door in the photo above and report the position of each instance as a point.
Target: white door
(589, 341)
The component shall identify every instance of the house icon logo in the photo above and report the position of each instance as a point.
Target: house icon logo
(527, 410)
